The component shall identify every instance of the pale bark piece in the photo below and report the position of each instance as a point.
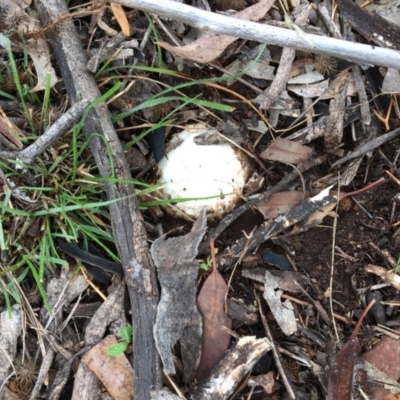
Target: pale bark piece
(177, 315)
(282, 311)
(337, 82)
(86, 384)
(359, 82)
(110, 312)
(286, 151)
(389, 277)
(215, 341)
(280, 203)
(311, 90)
(230, 371)
(210, 46)
(337, 106)
(287, 280)
(350, 172)
(391, 82)
(115, 373)
(164, 394)
(10, 329)
(286, 61)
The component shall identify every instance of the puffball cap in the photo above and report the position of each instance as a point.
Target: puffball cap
(196, 171)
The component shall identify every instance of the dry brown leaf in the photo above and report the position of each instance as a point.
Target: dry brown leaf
(39, 51)
(267, 382)
(340, 383)
(211, 303)
(341, 375)
(210, 46)
(393, 397)
(115, 373)
(280, 203)
(120, 16)
(286, 151)
(381, 368)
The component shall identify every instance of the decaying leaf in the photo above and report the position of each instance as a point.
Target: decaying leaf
(115, 373)
(340, 383)
(267, 382)
(210, 46)
(351, 87)
(341, 375)
(39, 51)
(241, 313)
(282, 311)
(280, 203)
(380, 371)
(306, 79)
(337, 106)
(311, 90)
(256, 70)
(177, 315)
(211, 302)
(287, 151)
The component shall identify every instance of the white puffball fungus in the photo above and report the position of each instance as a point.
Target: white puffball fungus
(196, 171)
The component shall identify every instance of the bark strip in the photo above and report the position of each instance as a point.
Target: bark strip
(127, 221)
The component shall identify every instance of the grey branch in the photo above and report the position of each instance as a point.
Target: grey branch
(53, 133)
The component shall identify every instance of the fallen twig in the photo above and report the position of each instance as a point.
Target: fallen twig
(127, 222)
(53, 133)
(216, 23)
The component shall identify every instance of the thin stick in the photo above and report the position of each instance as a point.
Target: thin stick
(221, 24)
(333, 266)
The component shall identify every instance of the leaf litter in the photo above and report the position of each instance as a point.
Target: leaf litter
(211, 303)
(335, 114)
